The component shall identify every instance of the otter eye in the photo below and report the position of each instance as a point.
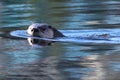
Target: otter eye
(35, 30)
(43, 29)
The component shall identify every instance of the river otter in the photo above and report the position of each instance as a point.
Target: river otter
(43, 30)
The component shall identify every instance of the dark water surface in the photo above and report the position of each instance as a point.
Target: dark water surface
(61, 61)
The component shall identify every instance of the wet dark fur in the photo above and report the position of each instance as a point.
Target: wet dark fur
(57, 33)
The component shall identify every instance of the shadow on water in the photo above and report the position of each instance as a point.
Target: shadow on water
(62, 61)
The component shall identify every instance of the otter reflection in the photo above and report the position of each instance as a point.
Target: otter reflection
(39, 42)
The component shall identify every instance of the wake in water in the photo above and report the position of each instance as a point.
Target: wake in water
(97, 36)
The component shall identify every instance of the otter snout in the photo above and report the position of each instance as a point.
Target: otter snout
(34, 32)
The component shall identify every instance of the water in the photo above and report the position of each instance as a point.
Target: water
(61, 60)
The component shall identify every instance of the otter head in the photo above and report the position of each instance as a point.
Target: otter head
(43, 30)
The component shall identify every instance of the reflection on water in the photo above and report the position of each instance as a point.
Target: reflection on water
(38, 42)
(61, 61)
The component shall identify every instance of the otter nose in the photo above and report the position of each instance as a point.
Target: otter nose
(35, 30)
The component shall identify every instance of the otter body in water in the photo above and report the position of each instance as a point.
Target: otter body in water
(43, 30)
(49, 34)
